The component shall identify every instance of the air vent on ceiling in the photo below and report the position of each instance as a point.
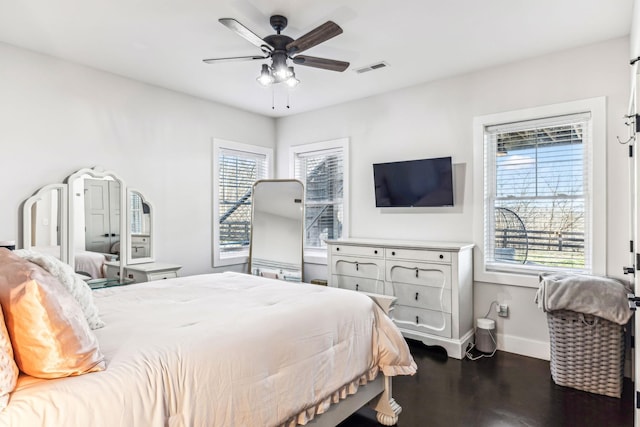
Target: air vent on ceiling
(372, 67)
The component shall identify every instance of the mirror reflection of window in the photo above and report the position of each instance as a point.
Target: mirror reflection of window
(140, 227)
(136, 214)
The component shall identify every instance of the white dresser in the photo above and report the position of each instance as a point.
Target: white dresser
(432, 282)
(145, 272)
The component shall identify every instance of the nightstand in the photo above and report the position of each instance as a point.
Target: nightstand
(150, 271)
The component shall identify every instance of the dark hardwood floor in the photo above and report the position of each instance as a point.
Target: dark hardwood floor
(506, 390)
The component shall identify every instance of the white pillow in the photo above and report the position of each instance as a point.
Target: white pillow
(77, 287)
(8, 367)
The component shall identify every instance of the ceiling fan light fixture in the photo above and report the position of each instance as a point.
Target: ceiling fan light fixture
(282, 73)
(292, 81)
(280, 68)
(265, 78)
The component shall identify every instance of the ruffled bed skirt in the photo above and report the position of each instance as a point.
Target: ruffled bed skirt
(342, 393)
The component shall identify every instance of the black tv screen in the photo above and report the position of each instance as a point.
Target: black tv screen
(414, 183)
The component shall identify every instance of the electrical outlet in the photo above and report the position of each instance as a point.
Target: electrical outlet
(503, 310)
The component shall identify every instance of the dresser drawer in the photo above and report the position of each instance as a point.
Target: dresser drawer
(438, 299)
(139, 240)
(421, 320)
(418, 255)
(111, 271)
(139, 246)
(140, 276)
(434, 275)
(369, 251)
(358, 284)
(358, 267)
(162, 275)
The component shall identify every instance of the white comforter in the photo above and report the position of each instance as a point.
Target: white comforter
(218, 350)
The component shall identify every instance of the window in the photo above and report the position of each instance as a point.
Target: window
(322, 167)
(235, 168)
(538, 190)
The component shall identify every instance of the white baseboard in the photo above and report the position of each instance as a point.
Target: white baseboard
(524, 347)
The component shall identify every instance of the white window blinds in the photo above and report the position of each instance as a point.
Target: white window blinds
(237, 171)
(537, 195)
(322, 173)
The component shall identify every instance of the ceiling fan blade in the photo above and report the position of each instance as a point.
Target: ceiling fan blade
(325, 64)
(233, 58)
(244, 32)
(314, 37)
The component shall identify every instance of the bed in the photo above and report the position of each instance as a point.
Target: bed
(225, 349)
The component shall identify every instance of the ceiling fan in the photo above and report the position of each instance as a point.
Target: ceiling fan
(281, 48)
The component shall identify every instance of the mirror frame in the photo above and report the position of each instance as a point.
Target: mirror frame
(99, 173)
(27, 219)
(141, 260)
(302, 222)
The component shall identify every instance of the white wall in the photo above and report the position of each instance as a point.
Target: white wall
(57, 117)
(435, 119)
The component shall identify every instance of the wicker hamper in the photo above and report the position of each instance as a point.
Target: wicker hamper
(587, 352)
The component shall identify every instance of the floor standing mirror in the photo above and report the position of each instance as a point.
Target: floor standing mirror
(277, 229)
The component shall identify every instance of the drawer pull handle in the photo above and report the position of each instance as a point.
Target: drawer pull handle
(441, 256)
(416, 296)
(393, 253)
(375, 252)
(417, 269)
(417, 321)
(337, 249)
(357, 286)
(357, 267)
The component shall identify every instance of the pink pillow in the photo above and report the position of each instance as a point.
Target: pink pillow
(8, 368)
(49, 332)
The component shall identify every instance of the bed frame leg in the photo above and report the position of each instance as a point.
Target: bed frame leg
(387, 409)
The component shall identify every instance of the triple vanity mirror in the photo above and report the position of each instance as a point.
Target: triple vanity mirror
(277, 229)
(81, 221)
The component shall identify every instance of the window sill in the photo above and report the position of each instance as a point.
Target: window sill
(315, 256)
(524, 278)
(504, 278)
(231, 260)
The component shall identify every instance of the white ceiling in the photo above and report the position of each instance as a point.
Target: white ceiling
(162, 42)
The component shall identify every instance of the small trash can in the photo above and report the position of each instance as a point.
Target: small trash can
(485, 335)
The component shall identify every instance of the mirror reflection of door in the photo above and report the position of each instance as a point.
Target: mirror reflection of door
(102, 215)
(277, 229)
(140, 224)
(45, 223)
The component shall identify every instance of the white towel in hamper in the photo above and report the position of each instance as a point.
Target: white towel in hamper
(600, 296)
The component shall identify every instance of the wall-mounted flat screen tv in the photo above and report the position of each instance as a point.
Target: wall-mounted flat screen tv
(414, 183)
